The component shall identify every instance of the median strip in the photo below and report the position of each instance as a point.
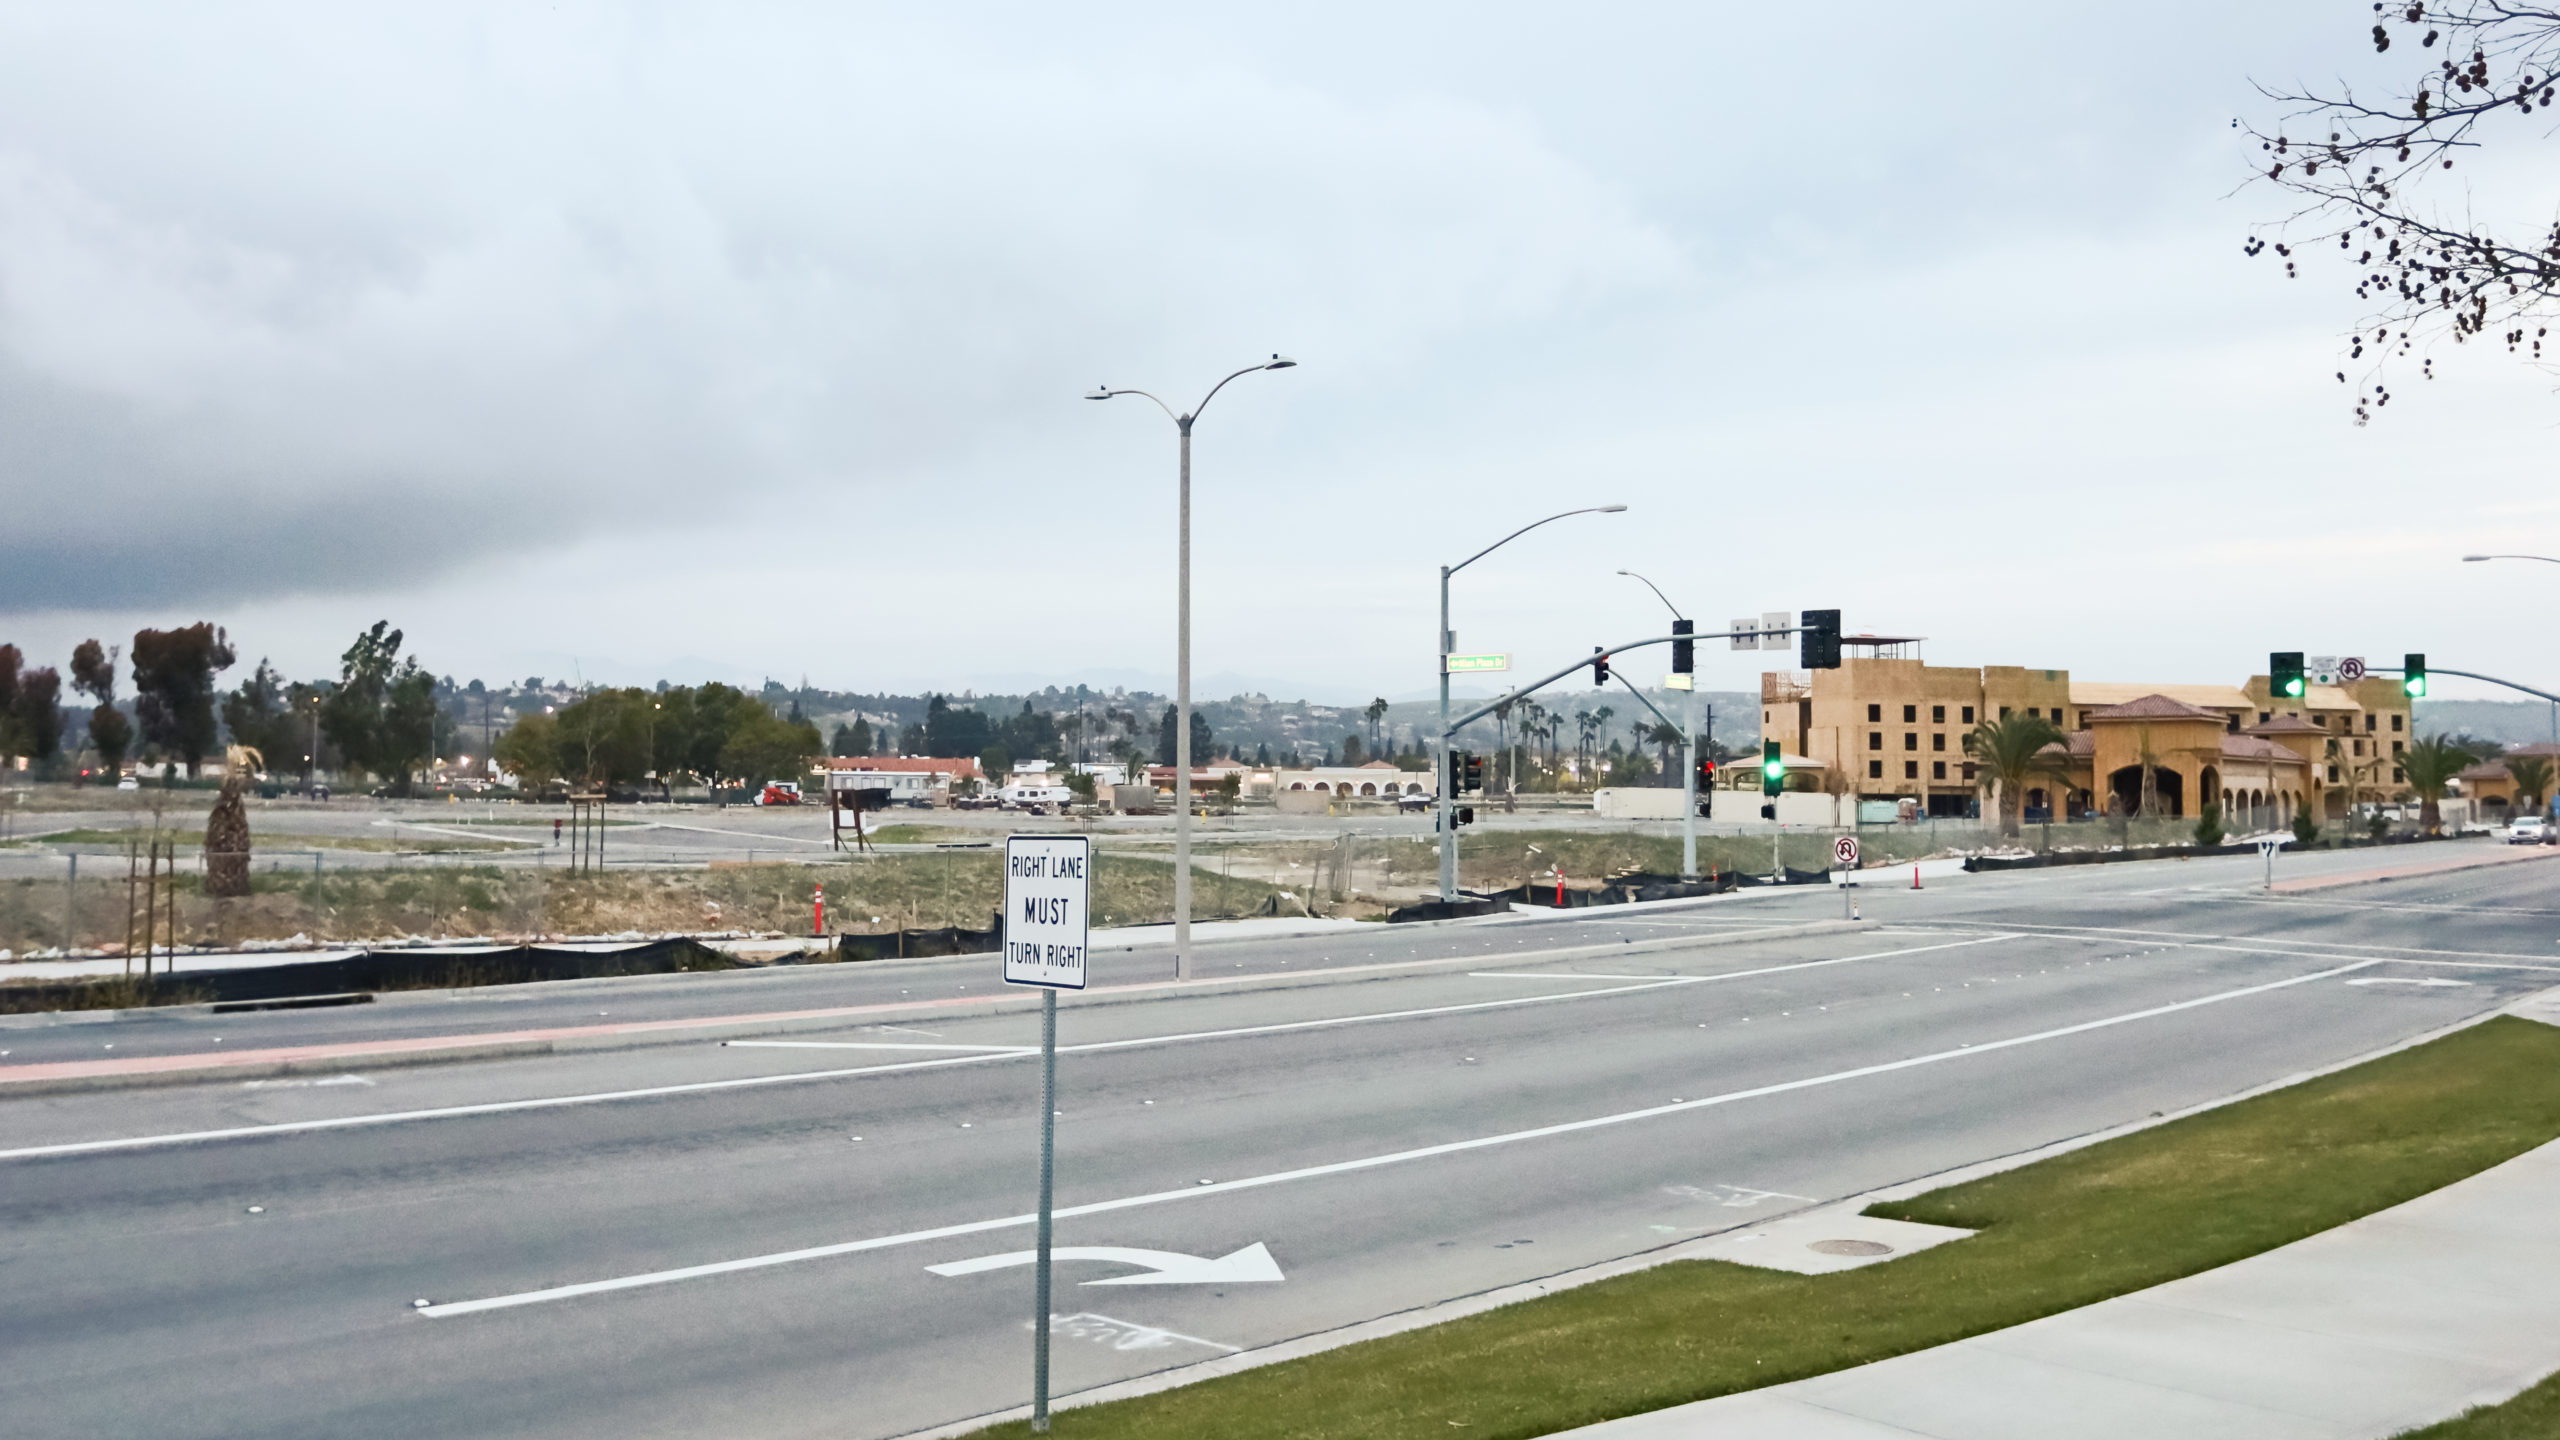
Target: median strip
(72, 1075)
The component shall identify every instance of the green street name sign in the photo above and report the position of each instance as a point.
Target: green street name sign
(1459, 663)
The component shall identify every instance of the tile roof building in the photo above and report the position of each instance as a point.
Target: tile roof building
(1894, 728)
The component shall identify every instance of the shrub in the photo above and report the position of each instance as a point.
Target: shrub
(2209, 826)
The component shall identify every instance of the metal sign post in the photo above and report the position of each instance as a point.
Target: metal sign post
(2267, 847)
(1845, 851)
(1048, 886)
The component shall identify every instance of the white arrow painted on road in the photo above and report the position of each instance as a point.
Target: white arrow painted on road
(1250, 1265)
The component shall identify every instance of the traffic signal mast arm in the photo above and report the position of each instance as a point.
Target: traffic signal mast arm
(1647, 701)
(2476, 675)
(1584, 663)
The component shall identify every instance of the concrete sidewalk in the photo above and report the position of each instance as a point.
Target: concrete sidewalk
(2397, 1320)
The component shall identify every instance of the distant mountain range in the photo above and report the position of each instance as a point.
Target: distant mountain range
(2508, 722)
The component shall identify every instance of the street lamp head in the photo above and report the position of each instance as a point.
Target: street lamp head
(1098, 392)
(1280, 362)
(2468, 559)
(1612, 510)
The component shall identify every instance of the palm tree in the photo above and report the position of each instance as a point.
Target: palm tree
(1376, 712)
(1663, 737)
(2012, 751)
(2431, 762)
(2353, 771)
(2532, 774)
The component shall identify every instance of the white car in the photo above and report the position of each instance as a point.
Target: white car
(2528, 830)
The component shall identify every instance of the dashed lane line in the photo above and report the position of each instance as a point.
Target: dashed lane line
(1366, 1162)
(748, 1082)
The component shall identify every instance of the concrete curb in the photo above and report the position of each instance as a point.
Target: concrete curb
(154, 1071)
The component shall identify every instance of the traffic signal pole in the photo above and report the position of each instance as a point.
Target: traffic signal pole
(1689, 781)
(1448, 781)
(1450, 727)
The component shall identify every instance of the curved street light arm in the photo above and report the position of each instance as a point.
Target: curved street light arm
(1657, 594)
(2545, 559)
(1107, 392)
(1525, 529)
(1214, 389)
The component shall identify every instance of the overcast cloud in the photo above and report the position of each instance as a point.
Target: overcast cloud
(664, 341)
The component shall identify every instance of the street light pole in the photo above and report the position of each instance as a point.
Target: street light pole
(1448, 783)
(1182, 662)
(1688, 749)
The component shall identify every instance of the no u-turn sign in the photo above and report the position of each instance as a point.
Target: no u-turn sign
(1048, 884)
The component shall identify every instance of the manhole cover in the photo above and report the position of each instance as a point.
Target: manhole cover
(1849, 1247)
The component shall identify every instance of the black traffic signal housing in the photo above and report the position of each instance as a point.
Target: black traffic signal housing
(1684, 651)
(1599, 666)
(1470, 771)
(2284, 675)
(1773, 773)
(1462, 816)
(1706, 775)
(2413, 676)
(1818, 638)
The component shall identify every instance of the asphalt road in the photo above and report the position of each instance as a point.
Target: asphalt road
(1394, 1137)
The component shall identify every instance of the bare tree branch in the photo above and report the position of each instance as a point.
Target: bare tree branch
(2423, 275)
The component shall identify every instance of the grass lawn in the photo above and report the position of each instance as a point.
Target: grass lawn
(2533, 1415)
(2116, 1217)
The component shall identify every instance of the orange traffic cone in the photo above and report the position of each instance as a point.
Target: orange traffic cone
(1915, 877)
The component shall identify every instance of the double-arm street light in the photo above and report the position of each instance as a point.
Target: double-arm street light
(1182, 421)
(1446, 643)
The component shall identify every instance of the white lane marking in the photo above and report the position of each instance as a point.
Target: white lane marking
(304, 1084)
(732, 834)
(502, 1107)
(2379, 959)
(1125, 1334)
(1562, 975)
(1366, 1162)
(1251, 1265)
(1732, 1197)
(2430, 980)
(872, 1045)
(2306, 948)
(465, 834)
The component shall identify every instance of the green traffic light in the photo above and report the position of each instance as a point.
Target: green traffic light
(2416, 685)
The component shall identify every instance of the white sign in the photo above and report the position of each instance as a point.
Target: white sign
(2351, 669)
(1781, 621)
(1746, 633)
(1048, 882)
(1679, 682)
(2323, 669)
(2269, 844)
(1845, 850)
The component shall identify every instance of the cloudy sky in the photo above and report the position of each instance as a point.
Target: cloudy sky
(730, 341)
